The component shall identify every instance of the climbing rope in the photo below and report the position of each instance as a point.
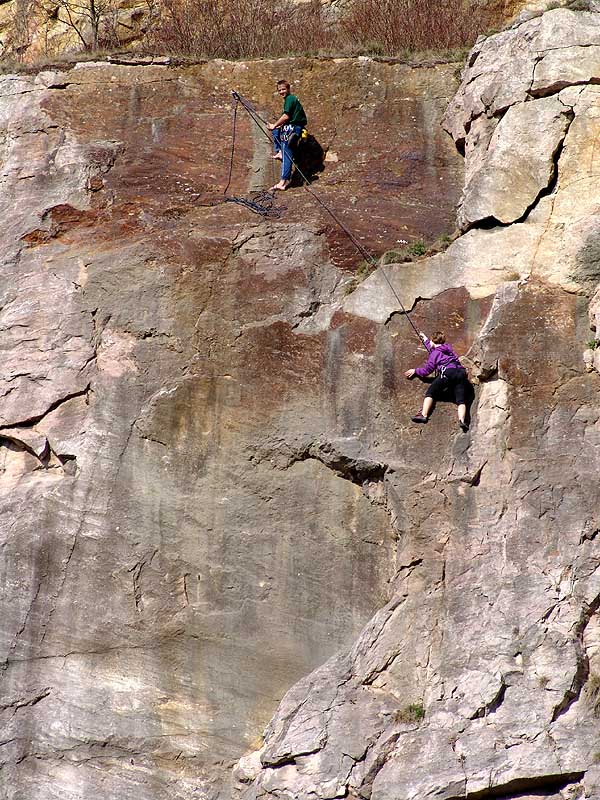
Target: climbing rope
(262, 126)
(261, 202)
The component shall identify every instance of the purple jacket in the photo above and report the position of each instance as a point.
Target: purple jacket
(442, 356)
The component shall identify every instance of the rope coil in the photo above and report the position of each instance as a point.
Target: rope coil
(260, 202)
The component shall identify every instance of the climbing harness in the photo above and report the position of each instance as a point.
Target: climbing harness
(264, 204)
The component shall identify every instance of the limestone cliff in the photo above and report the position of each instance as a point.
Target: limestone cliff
(185, 532)
(480, 677)
(212, 489)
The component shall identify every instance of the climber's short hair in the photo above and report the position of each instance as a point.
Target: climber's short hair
(439, 337)
(283, 82)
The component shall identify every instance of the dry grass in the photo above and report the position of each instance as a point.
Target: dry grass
(394, 27)
(238, 29)
(414, 713)
(242, 29)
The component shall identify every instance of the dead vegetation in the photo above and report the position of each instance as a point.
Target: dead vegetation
(396, 27)
(238, 28)
(241, 29)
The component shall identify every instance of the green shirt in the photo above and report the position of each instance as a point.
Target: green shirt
(293, 108)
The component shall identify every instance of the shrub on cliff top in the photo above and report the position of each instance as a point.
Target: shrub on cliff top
(398, 26)
(239, 28)
(260, 28)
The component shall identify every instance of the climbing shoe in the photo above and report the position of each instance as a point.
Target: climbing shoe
(419, 418)
(463, 426)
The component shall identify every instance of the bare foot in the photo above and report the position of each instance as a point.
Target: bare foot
(278, 156)
(281, 186)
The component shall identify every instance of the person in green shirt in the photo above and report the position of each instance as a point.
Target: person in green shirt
(287, 129)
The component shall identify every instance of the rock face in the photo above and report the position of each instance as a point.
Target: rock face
(213, 494)
(479, 678)
(194, 513)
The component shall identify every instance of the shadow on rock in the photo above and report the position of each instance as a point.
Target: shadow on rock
(309, 157)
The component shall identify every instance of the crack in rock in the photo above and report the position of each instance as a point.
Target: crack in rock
(491, 222)
(521, 786)
(356, 468)
(493, 704)
(26, 702)
(29, 422)
(582, 671)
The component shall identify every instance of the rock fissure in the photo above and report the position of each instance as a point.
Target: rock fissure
(26, 702)
(150, 646)
(358, 470)
(378, 753)
(582, 671)
(414, 305)
(491, 222)
(136, 572)
(29, 422)
(56, 595)
(42, 457)
(519, 786)
(536, 61)
(43, 577)
(487, 113)
(493, 704)
(589, 534)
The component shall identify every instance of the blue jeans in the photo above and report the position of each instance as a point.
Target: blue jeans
(280, 142)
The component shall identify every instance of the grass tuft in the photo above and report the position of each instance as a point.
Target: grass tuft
(415, 712)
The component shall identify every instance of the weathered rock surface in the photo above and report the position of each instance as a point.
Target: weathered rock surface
(479, 678)
(194, 512)
(213, 494)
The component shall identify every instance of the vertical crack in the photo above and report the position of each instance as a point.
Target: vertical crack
(582, 671)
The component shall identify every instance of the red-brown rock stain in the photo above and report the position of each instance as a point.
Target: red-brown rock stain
(171, 139)
(263, 294)
(360, 333)
(60, 220)
(281, 363)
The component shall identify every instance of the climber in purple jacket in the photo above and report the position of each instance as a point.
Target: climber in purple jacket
(451, 378)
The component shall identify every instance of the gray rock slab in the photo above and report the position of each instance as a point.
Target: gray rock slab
(512, 176)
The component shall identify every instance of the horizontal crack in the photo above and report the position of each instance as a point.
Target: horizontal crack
(31, 421)
(23, 702)
(356, 469)
(520, 786)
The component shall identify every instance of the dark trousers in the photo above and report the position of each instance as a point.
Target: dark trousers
(452, 384)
